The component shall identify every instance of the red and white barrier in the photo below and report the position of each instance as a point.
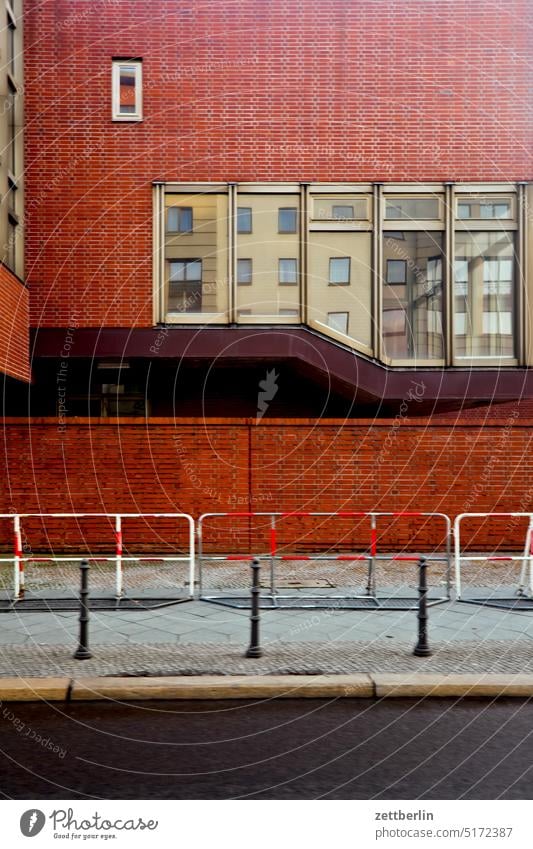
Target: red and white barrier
(19, 558)
(526, 557)
(273, 555)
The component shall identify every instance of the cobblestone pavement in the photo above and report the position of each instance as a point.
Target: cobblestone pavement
(198, 637)
(495, 656)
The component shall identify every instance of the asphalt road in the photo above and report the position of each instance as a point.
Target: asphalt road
(288, 749)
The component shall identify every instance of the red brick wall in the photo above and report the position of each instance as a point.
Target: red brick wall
(14, 326)
(250, 90)
(222, 465)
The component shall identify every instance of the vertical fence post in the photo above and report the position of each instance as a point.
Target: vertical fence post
(18, 574)
(118, 556)
(422, 648)
(254, 649)
(82, 652)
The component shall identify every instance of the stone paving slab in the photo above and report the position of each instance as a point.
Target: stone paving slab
(162, 659)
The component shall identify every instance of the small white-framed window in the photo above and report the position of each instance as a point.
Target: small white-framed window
(127, 90)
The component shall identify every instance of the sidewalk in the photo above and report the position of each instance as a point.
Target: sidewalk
(199, 638)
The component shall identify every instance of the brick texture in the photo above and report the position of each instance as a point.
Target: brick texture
(228, 465)
(14, 326)
(249, 90)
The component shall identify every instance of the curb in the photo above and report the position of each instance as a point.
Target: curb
(416, 685)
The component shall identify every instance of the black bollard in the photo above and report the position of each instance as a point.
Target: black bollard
(254, 649)
(82, 652)
(422, 648)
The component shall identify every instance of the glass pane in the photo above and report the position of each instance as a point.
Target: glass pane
(244, 272)
(484, 294)
(347, 309)
(411, 209)
(288, 220)
(484, 208)
(196, 250)
(127, 79)
(288, 272)
(263, 297)
(244, 219)
(412, 295)
(339, 270)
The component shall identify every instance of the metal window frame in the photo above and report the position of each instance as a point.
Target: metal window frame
(305, 194)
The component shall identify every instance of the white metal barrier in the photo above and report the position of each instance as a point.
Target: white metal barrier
(370, 556)
(19, 558)
(526, 557)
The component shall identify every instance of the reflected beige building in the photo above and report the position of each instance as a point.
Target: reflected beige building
(429, 274)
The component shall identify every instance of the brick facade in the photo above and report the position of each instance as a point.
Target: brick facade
(475, 463)
(249, 91)
(14, 326)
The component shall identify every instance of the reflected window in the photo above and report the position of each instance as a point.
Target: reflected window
(288, 272)
(338, 321)
(340, 209)
(179, 219)
(396, 271)
(341, 212)
(484, 302)
(185, 285)
(339, 271)
(412, 209)
(288, 219)
(244, 272)
(244, 219)
(412, 295)
(484, 209)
